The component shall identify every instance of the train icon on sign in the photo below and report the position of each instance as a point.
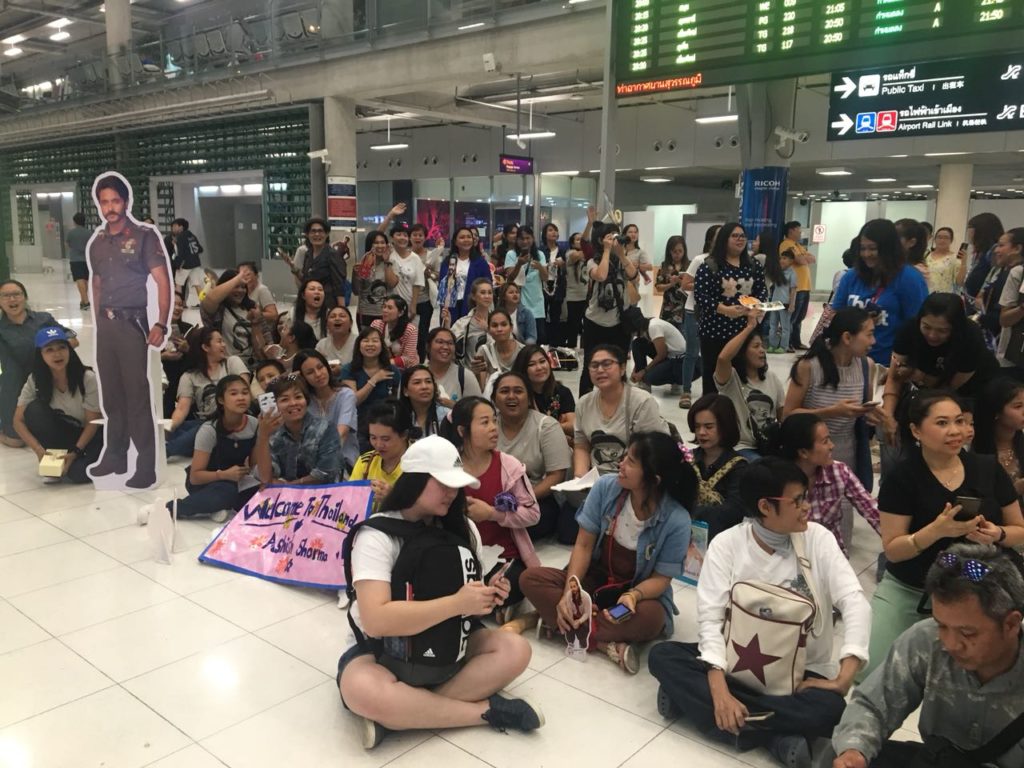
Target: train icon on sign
(877, 122)
(866, 122)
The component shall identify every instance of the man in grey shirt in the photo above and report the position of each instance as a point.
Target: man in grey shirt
(963, 668)
(77, 238)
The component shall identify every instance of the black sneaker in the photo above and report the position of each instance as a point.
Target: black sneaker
(517, 714)
(372, 733)
(665, 706)
(791, 750)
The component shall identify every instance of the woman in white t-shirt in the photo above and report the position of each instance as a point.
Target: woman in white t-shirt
(58, 404)
(197, 390)
(741, 373)
(340, 340)
(453, 380)
(430, 491)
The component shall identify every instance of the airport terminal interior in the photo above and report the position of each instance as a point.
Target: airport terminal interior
(239, 126)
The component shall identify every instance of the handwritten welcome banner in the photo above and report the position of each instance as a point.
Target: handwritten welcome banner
(292, 534)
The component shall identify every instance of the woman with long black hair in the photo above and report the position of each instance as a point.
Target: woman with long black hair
(374, 277)
(335, 403)
(983, 232)
(311, 307)
(400, 333)
(575, 290)
(555, 285)
(547, 394)
(460, 269)
(528, 268)
(727, 274)
(430, 491)
(58, 405)
(999, 420)
(418, 395)
(371, 376)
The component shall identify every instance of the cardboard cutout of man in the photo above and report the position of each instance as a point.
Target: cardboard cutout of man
(123, 254)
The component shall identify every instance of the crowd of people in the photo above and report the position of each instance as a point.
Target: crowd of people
(464, 431)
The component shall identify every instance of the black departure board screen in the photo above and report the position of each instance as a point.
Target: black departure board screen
(665, 45)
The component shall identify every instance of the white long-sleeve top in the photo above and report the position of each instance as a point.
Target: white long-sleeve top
(734, 556)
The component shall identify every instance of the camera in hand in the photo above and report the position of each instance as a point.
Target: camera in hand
(622, 240)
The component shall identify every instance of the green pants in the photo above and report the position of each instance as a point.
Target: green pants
(893, 611)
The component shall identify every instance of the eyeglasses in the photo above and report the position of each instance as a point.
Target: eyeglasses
(12, 295)
(798, 501)
(601, 365)
(738, 236)
(972, 570)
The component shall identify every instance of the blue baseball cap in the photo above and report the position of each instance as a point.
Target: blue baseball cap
(51, 334)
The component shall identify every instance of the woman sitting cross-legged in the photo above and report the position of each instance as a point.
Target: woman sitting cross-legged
(337, 404)
(220, 479)
(547, 394)
(420, 399)
(728, 684)
(390, 428)
(716, 464)
(503, 506)
(633, 536)
(537, 441)
(385, 691)
(58, 404)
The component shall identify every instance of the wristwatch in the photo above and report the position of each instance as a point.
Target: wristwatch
(75, 450)
(161, 326)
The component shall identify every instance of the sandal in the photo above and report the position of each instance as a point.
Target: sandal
(684, 401)
(625, 655)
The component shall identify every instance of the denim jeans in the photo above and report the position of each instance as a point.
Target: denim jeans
(668, 371)
(779, 323)
(692, 355)
(204, 500)
(803, 301)
(182, 441)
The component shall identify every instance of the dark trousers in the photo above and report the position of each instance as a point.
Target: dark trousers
(554, 519)
(204, 500)
(55, 430)
(542, 331)
(424, 311)
(11, 382)
(803, 301)
(710, 349)
(812, 713)
(182, 441)
(573, 328)
(122, 365)
(556, 328)
(594, 334)
(668, 371)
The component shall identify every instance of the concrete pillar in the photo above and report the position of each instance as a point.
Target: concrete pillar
(756, 103)
(317, 169)
(340, 143)
(954, 199)
(606, 182)
(118, 19)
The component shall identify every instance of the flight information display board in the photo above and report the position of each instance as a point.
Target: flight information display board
(665, 45)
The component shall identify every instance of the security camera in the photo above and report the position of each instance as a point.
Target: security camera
(317, 154)
(785, 134)
(520, 143)
(490, 63)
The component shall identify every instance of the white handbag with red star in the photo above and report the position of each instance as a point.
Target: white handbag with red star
(766, 629)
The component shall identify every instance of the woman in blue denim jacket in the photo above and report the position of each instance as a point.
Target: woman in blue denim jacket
(633, 537)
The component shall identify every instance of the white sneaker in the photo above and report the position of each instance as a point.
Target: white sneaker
(143, 514)
(343, 602)
(222, 515)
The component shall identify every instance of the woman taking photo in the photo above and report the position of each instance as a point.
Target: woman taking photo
(528, 269)
(882, 282)
(524, 325)
(228, 308)
(197, 389)
(803, 439)
(470, 330)
(922, 505)
(292, 445)
(671, 285)
(311, 307)
(608, 416)
(633, 536)
(390, 435)
(453, 381)
(429, 492)
(832, 380)
(575, 291)
(58, 404)
(727, 274)
(335, 404)
(716, 464)
(18, 328)
(371, 376)
(537, 441)
(340, 342)
(500, 351)
(419, 398)
(999, 416)
(375, 277)
(460, 270)
(503, 505)
(942, 262)
(400, 334)
(220, 479)
(548, 395)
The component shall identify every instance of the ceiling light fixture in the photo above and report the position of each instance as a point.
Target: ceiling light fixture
(717, 119)
(882, 180)
(13, 51)
(474, 25)
(59, 36)
(14, 39)
(656, 179)
(230, 189)
(252, 189)
(834, 172)
(920, 186)
(389, 145)
(560, 173)
(531, 135)
(59, 23)
(944, 154)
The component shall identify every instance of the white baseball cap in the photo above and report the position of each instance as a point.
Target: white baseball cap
(435, 456)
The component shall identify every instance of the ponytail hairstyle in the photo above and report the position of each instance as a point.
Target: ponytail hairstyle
(661, 459)
(462, 416)
(795, 434)
(921, 401)
(849, 320)
(222, 387)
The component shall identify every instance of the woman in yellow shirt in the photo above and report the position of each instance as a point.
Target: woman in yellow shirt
(389, 435)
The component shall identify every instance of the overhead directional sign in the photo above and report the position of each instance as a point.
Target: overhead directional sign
(928, 99)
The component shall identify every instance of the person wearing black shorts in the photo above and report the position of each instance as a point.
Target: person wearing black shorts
(77, 238)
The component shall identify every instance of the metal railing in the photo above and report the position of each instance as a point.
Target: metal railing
(290, 33)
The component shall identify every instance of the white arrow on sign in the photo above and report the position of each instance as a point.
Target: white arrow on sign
(843, 124)
(846, 87)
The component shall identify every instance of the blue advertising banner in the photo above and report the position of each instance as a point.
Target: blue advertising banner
(763, 201)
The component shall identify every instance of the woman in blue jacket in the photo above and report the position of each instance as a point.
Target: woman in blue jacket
(633, 537)
(884, 284)
(459, 269)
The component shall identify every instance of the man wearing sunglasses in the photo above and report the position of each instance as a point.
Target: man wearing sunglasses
(964, 669)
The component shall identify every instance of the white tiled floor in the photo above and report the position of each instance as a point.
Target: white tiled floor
(108, 658)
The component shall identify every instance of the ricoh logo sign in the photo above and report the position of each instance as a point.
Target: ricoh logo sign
(767, 184)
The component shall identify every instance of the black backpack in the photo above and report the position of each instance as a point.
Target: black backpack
(433, 563)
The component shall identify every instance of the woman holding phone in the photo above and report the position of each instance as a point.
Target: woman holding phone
(936, 495)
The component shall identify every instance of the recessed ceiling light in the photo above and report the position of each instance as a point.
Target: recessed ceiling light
(209, 190)
(920, 186)
(656, 179)
(14, 39)
(881, 180)
(531, 135)
(230, 189)
(834, 172)
(717, 119)
(59, 36)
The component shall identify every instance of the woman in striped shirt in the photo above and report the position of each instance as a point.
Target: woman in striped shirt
(400, 334)
(804, 439)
